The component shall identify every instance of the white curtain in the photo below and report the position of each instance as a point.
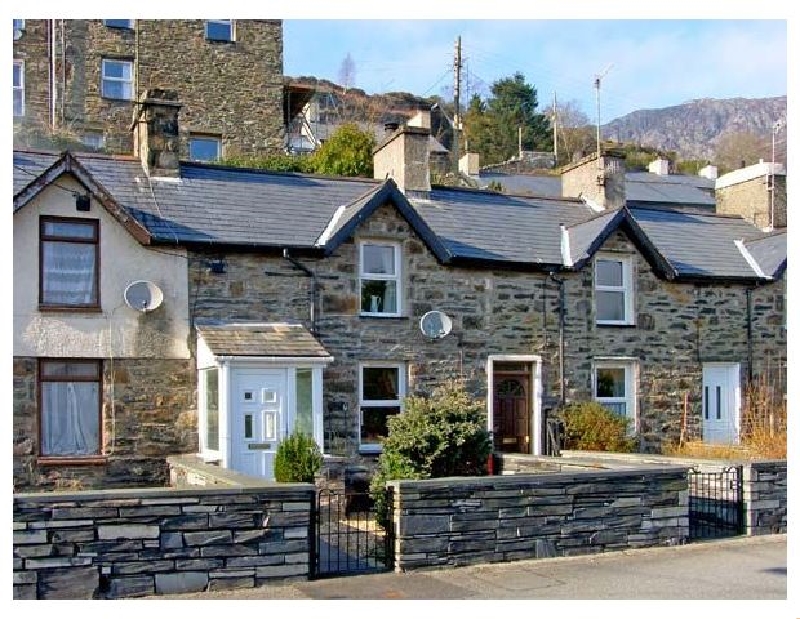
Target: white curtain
(70, 418)
(68, 270)
(379, 259)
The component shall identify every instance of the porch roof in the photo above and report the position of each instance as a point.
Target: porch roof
(261, 340)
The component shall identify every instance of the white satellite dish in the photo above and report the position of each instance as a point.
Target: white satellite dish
(435, 324)
(143, 296)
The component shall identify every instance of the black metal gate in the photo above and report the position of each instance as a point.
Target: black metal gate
(716, 504)
(348, 538)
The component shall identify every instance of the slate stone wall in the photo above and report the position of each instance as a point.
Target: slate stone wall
(765, 495)
(678, 326)
(463, 521)
(127, 543)
(149, 412)
(229, 89)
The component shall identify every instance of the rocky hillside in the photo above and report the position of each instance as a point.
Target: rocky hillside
(694, 129)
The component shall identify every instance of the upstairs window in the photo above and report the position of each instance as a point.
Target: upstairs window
(19, 28)
(379, 272)
(94, 140)
(68, 262)
(118, 23)
(19, 88)
(117, 79)
(613, 290)
(219, 30)
(205, 148)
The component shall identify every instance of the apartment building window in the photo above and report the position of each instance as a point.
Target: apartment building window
(118, 23)
(19, 88)
(382, 387)
(117, 79)
(614, 386)
(69, 407)
(613, 289)
(19, 28)
(205, 148)
(219, 30)
(68, 263)
(379, 272)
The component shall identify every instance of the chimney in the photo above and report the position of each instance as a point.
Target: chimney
(155, 132)
(710, 171)
(469, 164)
(421, 119)
(660, 166)
(603, 184)
(404, 155)
(390, 128)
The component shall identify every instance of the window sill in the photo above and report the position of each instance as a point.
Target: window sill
(383, 316)
(115, 99)
(71, 460)
(617, 325)
(88, 309)
(370, 451)
(210, 40)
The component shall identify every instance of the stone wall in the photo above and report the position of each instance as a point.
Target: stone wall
(752, 200)
(678, 326)
(229, 89)
(149, 412)
(126, 543)
(463, 521)
(603, 184)
(765, 495)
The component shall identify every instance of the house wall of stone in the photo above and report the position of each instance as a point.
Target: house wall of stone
(678, 326)
(581, 179)
(752, 200)
(233, 90)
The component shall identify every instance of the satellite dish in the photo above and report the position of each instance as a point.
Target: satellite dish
(143, 296)
(435, 324)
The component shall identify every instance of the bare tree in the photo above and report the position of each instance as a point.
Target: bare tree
(347, 72)
(575, 133)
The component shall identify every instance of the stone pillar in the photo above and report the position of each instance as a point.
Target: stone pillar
(155, 132)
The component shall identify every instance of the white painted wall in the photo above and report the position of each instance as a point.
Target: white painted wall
(118, 330)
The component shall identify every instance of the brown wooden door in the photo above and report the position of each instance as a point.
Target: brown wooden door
(512, 414)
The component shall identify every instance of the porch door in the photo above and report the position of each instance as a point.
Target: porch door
(512, 412)
(258, 423)
(720, 412)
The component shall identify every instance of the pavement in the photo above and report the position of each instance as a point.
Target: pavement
(743, 568)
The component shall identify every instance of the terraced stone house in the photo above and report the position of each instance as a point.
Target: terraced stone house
(278, 301)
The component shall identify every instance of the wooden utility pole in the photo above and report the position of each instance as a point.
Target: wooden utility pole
(555, 129)
(456, 107)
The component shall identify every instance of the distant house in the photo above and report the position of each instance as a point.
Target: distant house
(294, 301)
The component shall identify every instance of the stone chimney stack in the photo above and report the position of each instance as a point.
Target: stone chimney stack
(757, 193)
(660, 166)
(404, 155)
(603, 185)
(155, 132)
(710, 172)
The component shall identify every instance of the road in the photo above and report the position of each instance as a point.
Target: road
(735, 569)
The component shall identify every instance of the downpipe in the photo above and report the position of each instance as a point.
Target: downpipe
(314, 289)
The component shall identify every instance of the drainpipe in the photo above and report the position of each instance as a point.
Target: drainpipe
(309, 273)
(561, 322)
(749, 293)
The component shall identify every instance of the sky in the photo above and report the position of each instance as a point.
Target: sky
(653, 63)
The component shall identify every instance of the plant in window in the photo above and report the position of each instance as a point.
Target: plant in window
(438, 436)
(591, 426)
(298, 459)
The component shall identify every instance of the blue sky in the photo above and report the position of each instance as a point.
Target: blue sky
(655, 62)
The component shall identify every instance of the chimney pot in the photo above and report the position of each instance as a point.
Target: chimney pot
(390, 127)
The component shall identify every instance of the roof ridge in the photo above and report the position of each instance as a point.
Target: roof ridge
(230, 168)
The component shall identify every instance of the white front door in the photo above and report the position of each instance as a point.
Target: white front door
(721, 403)
(258, 410)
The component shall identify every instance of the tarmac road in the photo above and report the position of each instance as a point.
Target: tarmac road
(744, 568)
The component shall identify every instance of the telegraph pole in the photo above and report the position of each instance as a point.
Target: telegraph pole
(456, 93)
(555, 129)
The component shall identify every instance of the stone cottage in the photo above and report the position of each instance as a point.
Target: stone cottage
(297, 301)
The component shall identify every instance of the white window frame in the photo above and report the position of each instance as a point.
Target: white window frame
(21, 87)
(402, 381)
(206, 138)
(397, 277)
(94, 139)
(205, 452)
(631, 368)
(110, 25)
(103, 78)
(228, 22)
(626, 288)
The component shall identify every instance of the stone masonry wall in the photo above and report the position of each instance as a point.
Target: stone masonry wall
(149, 412)
(765, 495)
(751, 199)
(678, 326)
(463, 521)
(229, 89)
(125, 543)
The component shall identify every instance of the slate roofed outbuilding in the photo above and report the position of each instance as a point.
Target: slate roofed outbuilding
(261, 340)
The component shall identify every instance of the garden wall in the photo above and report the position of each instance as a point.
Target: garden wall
(123, 543)
(461, 521)
(764, 487)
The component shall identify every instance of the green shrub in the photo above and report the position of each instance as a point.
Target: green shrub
(438, 436)
(298, 459)
(592, 427)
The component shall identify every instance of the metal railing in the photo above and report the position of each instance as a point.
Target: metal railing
(716, 503)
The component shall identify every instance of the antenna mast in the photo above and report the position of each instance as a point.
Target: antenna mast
(456, 107)
(597, 79)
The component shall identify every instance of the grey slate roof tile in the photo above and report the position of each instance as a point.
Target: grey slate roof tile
(769, 252)
(261, 340)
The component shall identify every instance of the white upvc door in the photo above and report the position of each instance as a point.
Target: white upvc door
(258, 420)
(721, 402)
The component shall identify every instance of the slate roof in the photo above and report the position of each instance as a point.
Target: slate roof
(214, 205)
(261, 340)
